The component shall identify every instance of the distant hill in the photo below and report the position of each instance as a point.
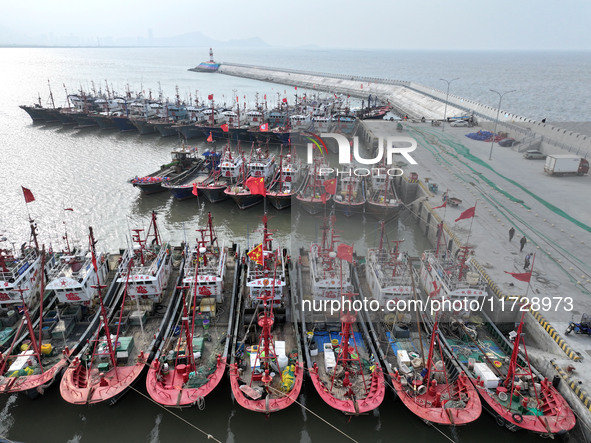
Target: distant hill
(191, 39)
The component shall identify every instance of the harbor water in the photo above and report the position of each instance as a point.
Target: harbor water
(88, 170)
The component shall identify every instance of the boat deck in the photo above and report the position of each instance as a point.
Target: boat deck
(209, 339)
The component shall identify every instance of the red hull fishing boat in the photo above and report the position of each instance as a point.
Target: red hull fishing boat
(126, 338)
(443, 395)
(516, 394)
(189, 365)
(340, 355)
(266, 368)
(63, 326)
(430, 384)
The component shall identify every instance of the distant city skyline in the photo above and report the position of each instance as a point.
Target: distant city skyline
(381, 24)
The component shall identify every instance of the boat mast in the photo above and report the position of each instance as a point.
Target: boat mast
(33, 233)
(34, 343)
(98, 286)
(50, 95)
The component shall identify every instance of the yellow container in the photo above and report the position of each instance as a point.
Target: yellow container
(334, 342)
(46, 348)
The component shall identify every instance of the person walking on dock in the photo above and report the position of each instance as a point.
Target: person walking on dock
(511, 233)
(523, 241)
(526, 264)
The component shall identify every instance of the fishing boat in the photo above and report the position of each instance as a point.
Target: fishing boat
(513, 391)
(40, 113)
(184, 186)
(451, 278)
(192, 357)
(422, 372)
(20, 279)
(382, 201)
(183, 159)
(266, 366)
(344, 123)
(128, 334)
(387, 273)
(288, 181)
(44, 349)
(350, 194)
(230, 172)
(260, 165)
(313, 197)
(341, 358)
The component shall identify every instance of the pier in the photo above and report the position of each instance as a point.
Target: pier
(508, 191)
(417, 101)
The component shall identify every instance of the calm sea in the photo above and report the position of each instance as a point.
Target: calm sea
(88, 170)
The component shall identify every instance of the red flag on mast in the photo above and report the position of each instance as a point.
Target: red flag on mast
(194, 192)
(28, 195)
(524, 276)
(468, 213)
(225, 127)
(210, 138)
(442, 206)
(330, 186)
(345, 252)
(256, 186)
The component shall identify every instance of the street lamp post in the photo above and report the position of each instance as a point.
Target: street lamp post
(446, 99)
(497, 120)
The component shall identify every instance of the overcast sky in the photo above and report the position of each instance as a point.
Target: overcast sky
(389, 24)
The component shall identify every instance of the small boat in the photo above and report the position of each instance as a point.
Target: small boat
(514, 392)
(37, 358)
(314, 198)
(341, 358)
(124, 343)
(192, 356)
(260, 165)
(382, 201)
(183, 159)
(230, 172)
(289, 180)
(266, 366)
(350, 196)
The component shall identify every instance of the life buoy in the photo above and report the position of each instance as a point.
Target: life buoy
(517, 418)
(497, 363)
(503, 396)
(500, 421)
(421, 390)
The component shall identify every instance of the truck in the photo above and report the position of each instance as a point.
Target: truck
(557, 164)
